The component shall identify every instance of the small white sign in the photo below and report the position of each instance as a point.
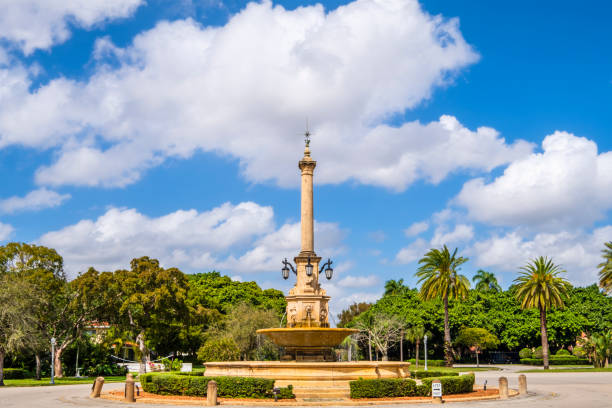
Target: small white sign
(436, 389)
(186, 367)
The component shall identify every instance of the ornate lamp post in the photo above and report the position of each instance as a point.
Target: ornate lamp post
(425, 341)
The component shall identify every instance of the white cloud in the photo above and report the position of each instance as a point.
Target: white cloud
(460, 234)
(413, 252)
(269, 250)
(6, 231)
(244, 89)
(416, 228)
(186, 239)
(34, 200)
(39, 24)
(358, 281)
(568, 184)
(235, 239)
(578, 252)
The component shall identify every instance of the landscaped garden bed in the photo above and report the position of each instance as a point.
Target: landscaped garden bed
(396, 387)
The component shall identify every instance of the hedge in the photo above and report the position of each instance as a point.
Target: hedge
(432, 363)
(384, 387)
(16, 374)
(229, 387)
(556, 360)
(432, 373)
(452, 385)
(397, 387)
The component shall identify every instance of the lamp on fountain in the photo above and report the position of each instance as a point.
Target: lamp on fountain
(285, 270)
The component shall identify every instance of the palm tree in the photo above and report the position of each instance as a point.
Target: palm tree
(540, 286)
(393, 287)
(414, 335)
(486, 282)
(439, 278)
(605, 274)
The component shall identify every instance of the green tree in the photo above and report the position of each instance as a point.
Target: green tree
(393, 287)
(439, 278)
(382, 330)
(354, 310)
(55, 315)
(477, 339)
(540, 287)
(17, 316)
(241, 326)
(414, 334)
(486, 282)
(219, 349)
(605, 273)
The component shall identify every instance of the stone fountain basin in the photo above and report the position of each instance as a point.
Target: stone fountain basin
(307, 336)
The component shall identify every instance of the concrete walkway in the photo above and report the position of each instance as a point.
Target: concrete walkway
(558, 390)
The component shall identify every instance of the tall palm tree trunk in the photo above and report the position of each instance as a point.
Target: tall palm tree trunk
(38, 364)
(1, 368)
(544, 337)
(370, 345)
(448, 354)
(416, 360)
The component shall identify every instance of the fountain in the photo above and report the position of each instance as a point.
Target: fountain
(308, 362)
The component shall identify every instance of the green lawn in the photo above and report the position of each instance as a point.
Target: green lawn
(570, 370)
(30, 382)
(458, 369)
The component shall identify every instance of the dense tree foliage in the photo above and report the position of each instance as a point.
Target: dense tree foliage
(605, 273)
(587, 310)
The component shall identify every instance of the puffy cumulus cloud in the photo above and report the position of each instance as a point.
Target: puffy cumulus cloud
(416, 228)
(238, 239)
(460, 234)
(39, 24)
(243, 90)
(578, 252)
(187, 239)
(567, 184)
(358, 281)
(268, 251)
(6, 231)
(34, 200)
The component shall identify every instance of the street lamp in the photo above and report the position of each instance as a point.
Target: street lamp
(425, 341)
(53, 360)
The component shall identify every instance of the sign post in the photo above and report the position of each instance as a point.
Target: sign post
(436, 391)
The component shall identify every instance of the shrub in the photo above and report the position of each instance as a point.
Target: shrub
(538, 352)
(430, 373)
(223, 349)
(16, 374)
(397, 387)
(385, 387)
(562, 352)
(432, 363)
(105, 370)
(526, 353)
(451, 385)
(286, 392)
(556, 360)
(196, 385)
(578, 351)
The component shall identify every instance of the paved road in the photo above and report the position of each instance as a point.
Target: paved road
(558, 390)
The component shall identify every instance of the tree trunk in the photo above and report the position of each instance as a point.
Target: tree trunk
(38, 364)
(370, 345)
(58, 362)
(1, 367)
(143, 353)
(416, 360)
(448, 353)
(544, 338)
(385, 354)
(477, 361)
(402, 345)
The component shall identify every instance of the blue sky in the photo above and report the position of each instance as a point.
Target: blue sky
(172, 129)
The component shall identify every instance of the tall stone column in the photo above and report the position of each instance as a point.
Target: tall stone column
(307, 166)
